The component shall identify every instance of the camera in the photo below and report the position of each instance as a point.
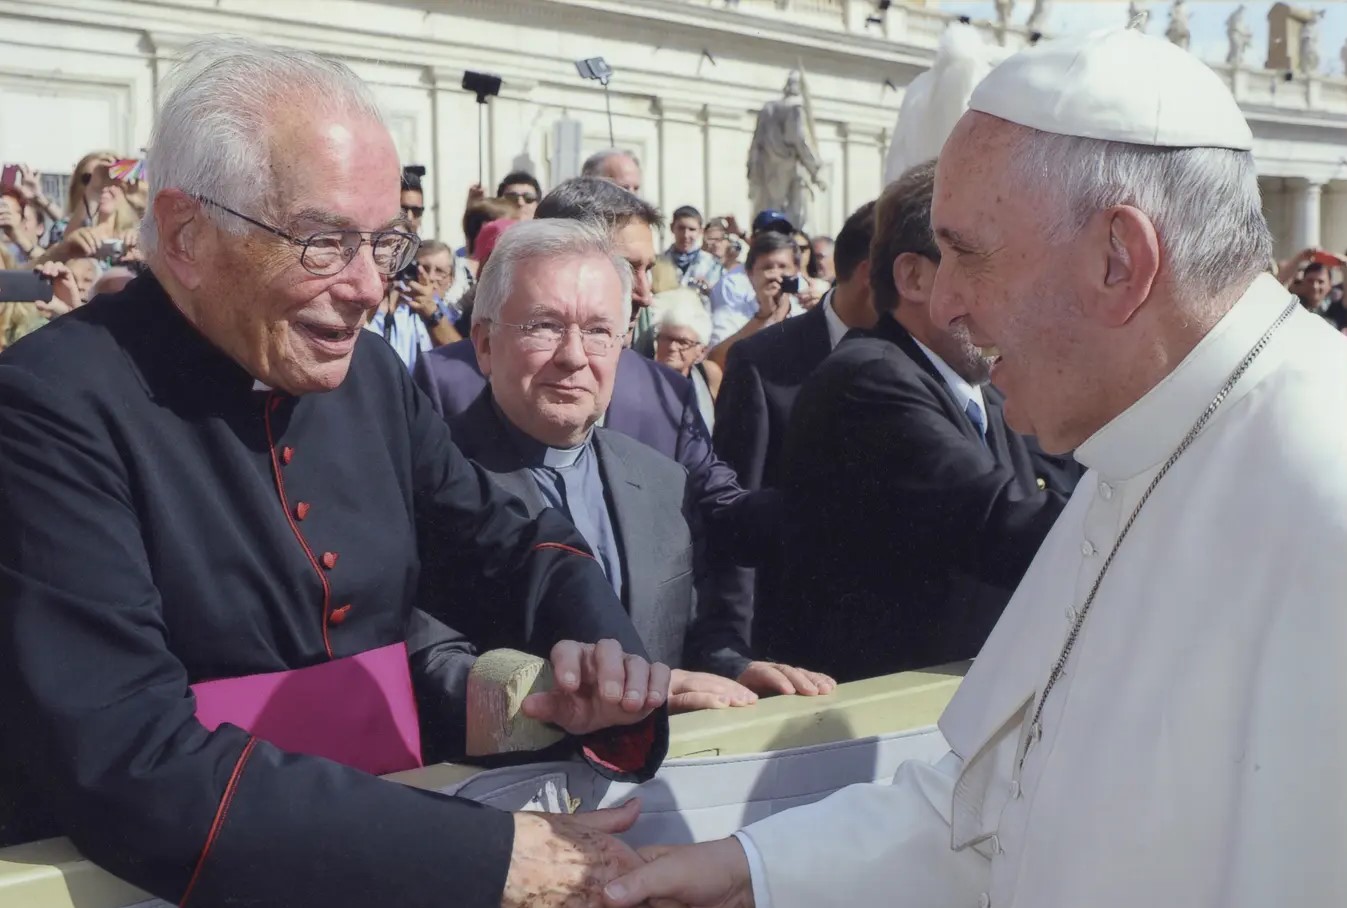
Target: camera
(790, 284)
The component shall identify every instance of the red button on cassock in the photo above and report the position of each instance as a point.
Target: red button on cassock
(302, 510)
(339, 615)
(330, 560)
(287, 454)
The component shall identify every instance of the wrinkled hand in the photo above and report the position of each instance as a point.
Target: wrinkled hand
(598, 686)
(689, 691)
(565, 861)
(65, 292)
(811, 292)
(774, 678)
(710, 875)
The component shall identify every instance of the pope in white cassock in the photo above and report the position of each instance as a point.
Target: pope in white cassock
(1160, 717)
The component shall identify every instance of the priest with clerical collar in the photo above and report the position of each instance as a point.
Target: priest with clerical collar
(548, 322)
(220, 500)
(1160, 716)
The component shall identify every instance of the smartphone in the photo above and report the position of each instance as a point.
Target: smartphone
(110, 249)
(790, 284)
(24, 287)
(9, 177)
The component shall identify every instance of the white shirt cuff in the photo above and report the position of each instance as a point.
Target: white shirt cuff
(757, 871)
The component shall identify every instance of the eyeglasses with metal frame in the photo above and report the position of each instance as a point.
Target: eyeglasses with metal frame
(327, 252)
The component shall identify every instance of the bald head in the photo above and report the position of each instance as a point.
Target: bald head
(621, 167)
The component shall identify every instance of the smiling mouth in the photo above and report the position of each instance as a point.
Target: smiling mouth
(329, 333)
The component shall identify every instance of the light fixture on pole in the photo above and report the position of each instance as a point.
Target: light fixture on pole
(484, 85)
(598, 69)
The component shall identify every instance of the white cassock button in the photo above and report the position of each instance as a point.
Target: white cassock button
(984, 901)
(1087, 548)
(1105, 491)
(1015, 791)
(1071, 614)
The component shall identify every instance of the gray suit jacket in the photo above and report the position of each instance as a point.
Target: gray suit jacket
(655, 519)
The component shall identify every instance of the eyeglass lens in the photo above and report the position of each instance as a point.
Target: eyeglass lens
(327, 253)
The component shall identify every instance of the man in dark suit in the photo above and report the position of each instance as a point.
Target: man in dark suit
(548, 324)
(655, 405)
(764, 372)
(913, 509)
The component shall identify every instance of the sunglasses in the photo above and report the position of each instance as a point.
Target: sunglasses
(528, 198)
(414, 211)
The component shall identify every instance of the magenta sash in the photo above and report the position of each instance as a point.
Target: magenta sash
(358, 710)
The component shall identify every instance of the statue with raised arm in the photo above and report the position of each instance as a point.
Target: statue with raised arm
(1309, 44)
(1138, 15)
(783, 160)
(1342, 55)
(1039, 17)
(1239, 35)
(1178, 32)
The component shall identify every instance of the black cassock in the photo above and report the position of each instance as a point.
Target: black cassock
(162, 523)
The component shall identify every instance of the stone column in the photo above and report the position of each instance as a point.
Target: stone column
(682, 155)
(727, 137)
(1308, 214)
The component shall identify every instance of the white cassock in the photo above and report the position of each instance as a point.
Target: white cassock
(1194, 753)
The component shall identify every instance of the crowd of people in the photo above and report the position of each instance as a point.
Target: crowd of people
(755, 463)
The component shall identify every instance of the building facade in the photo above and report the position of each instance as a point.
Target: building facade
(689, 77)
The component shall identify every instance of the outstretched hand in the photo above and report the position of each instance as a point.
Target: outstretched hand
(710, 875)
(598, 686)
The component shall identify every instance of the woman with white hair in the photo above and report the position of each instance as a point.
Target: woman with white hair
(684, 330)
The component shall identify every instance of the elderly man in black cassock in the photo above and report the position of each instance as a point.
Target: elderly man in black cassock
(219, 501)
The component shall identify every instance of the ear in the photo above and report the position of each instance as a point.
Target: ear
(481, 342)
(181, 229)
(1132, 263)
(914, 276)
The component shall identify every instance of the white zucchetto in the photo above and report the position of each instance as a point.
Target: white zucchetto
(1118, 86)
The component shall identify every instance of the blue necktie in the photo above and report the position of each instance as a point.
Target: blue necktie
(974, 413)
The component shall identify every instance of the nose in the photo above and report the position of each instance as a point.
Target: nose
(640, 288)
(570, 355)
(361, 283)
(947, 300)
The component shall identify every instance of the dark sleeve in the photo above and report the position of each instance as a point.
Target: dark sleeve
(109, 742)
(500, 578)
(718, 636)
(929, 487)
(424, 377)
(741, 419)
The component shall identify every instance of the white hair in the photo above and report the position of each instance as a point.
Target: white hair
(683, 308)
(1204, 202)
(593, 166)
(213, 133)
(551, 238)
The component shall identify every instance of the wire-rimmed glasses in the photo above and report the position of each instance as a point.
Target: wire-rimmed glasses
(545, 335)
(329, 251)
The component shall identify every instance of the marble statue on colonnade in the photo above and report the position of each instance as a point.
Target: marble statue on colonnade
(1138, 15)
(1239, 35)
(783, 159)
(1309, 44)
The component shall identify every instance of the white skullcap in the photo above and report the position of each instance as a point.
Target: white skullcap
(1118, 86)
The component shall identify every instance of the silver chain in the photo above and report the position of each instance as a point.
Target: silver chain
(1058, 669)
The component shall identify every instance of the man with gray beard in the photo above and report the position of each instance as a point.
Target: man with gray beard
(919, 510)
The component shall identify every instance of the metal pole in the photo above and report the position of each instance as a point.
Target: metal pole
(608, 102)
(481, 142)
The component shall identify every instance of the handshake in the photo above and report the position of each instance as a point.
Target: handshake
(576, 862)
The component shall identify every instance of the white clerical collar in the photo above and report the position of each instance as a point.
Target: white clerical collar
(837, 329)
(260, 386)
(960, 387)
(1147, 432)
